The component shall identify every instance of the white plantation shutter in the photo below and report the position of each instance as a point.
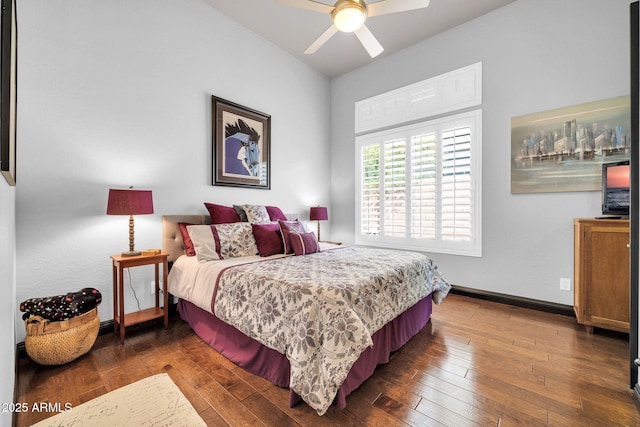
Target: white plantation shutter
(423, 186)
(394, 185)
(370, 191)
(456, 184)
(418, 186)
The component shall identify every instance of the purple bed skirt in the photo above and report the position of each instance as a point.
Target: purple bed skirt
(268, 363)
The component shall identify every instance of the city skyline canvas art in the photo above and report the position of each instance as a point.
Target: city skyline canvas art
(563, 149)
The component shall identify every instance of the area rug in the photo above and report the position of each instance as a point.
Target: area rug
(153, 401)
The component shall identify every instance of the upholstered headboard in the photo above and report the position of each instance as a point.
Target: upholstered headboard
(172, 243)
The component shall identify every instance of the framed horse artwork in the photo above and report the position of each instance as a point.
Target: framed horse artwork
(241, 145)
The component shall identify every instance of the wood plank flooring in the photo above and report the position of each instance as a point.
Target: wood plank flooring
(475, 363)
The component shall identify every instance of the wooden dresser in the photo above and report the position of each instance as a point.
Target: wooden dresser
(601, 273)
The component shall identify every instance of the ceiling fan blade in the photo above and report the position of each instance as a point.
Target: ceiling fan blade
(309, 5)
(369, 41)
(322, 39)
(388, 6)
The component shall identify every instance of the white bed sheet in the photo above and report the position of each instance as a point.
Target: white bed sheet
(195, 281)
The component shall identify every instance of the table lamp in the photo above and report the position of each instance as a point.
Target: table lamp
(318, 213)
(130, 202)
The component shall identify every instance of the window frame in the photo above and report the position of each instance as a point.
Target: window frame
(473, 247)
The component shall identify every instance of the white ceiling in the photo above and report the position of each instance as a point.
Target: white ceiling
(294, 29)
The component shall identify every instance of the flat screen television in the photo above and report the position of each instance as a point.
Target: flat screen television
(615, 188)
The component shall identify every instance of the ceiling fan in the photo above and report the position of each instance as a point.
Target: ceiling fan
(349, 16)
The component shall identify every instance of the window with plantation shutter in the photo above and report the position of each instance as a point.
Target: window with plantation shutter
(418, 165)
(418, 186)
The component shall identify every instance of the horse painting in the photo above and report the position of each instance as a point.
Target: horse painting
(242, 151)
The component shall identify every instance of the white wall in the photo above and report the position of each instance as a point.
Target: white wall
(8, 303)
(537, 55)
(118, 93)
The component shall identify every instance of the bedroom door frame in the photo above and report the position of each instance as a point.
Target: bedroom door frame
(634, 254)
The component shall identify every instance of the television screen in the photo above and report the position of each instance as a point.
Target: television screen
(615, 188)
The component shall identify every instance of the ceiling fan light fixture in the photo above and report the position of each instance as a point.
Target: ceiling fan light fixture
(349, 15)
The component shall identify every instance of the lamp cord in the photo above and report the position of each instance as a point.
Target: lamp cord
(133, 290)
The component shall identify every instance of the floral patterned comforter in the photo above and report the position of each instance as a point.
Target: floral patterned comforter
(321, 310)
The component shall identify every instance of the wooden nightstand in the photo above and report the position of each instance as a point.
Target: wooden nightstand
(122, 320)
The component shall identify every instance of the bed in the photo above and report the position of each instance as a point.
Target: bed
(318, 324)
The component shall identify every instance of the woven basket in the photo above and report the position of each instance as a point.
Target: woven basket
(57, 343)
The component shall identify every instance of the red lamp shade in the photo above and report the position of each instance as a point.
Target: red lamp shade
(130, 202)
(318, 214)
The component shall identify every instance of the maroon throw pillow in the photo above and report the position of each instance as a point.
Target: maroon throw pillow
(304, 243)
(275, 213)
(268, 239)
(222, 214)
(286, 228)
(186, 239)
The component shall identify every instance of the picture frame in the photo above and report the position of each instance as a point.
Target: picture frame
(562, 150)
(8, 89)
(241, 146)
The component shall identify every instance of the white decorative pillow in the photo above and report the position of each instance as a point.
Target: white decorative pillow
(204, 242)
(236, 240)
(256, 213)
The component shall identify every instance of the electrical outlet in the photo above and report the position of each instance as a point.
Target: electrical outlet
(152, 286)
(565, 284)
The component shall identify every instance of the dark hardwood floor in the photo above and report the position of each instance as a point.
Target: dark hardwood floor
(475, 363)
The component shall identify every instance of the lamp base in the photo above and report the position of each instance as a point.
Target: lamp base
(131, 253)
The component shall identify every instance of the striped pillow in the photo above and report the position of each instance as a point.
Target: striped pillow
(205, 242)
(286, 228)
(304, 243)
